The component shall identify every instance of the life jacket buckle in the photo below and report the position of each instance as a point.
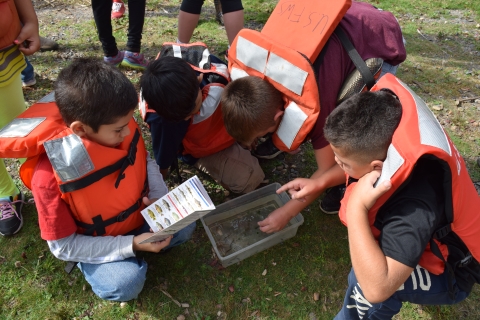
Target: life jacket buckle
(465, 261)
(122, 216)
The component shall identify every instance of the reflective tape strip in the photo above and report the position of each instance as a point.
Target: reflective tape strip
(177, 51)
(251, 55)
(209, 105)
(292, 122)
(20, 127)
(237, 73)
(392, 163)
(48, 98)
(285, 73)
(205, 59)
(69, 157)
(431, 132)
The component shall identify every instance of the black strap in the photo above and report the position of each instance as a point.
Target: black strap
(357, 60)
(452, 290)
(175, 167)
(121, 165)
(99, 225)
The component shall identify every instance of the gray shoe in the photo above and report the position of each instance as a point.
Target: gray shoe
(48, 44)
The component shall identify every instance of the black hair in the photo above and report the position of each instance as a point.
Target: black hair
(93, 92)
(170, 87)
(363, 125)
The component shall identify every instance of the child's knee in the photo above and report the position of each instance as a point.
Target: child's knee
(124, 282)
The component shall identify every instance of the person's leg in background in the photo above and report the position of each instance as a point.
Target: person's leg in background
(12, 103)
(136, 17)
(188, 19)
(28, 75)
(232, 17)
(102, 16)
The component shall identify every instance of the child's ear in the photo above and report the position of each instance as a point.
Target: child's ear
(79, 128)
(278, 115)
(200, 77)
(376, 165)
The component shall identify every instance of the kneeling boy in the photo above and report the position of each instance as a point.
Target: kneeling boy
(185, 117)
(91, 183)
(412, 218)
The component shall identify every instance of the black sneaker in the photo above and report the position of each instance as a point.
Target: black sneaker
(11, 220)
(330, 204)
(266, 150)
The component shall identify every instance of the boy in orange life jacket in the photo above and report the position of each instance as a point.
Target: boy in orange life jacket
(96, 102)
(389, 236)
(187, 123)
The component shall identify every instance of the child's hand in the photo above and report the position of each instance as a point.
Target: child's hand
(364, 194)
(151, 246)
(28, 40)
(275, 221)
(148, 202)
(299, 188)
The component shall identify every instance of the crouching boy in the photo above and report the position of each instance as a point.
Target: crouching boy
(412, 218)
(181, 93)
(92, 176)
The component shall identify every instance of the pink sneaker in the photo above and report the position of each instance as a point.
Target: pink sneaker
(118, 9)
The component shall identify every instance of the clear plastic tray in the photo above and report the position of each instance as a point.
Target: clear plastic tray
(233, 230)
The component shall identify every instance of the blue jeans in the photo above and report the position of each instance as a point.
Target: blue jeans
(123, 280)
(388, 68)
(421, 287)
(27, 73)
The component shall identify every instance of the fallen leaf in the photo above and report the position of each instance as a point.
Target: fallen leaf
(181, 317)
(24, 255)
(231, 289)
(277, 294)
(254, 313)
(303, 288)
(264, 272)
(295, 244)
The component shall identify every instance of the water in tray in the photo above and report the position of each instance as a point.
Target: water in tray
(240, 228)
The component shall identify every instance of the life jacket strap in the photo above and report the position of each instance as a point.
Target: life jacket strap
(121, 165)
(99, 225)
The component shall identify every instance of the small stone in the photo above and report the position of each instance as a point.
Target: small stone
(181, 317)
(316, 296)
(123, 304)
(264, 273)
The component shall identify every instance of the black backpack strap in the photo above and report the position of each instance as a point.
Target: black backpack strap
(121, 165)
(357, 60)
(99, 225)
(452, 290)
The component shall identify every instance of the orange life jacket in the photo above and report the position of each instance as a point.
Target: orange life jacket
(102, 186)
(206, 133)
(419, 134)
(282, 54)
(9, 23)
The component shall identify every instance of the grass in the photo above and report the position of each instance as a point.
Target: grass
(443, 66)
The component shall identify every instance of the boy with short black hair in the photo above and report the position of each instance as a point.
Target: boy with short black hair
(91, 183)
(412, 217)
(185, 118)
